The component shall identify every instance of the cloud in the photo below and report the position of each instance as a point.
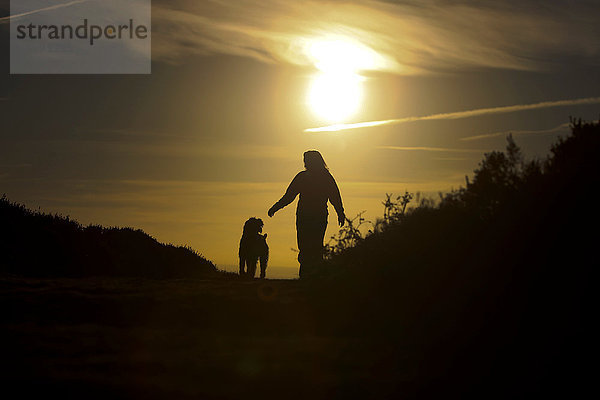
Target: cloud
(149, 143)
(559, 128)
(460, 114)
(431, 149)
(412, 36)
(8, 18)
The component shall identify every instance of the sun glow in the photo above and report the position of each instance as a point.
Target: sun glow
(341, 55)
(335, 97)
(336, 92)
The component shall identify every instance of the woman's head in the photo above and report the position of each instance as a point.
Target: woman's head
(313, 161)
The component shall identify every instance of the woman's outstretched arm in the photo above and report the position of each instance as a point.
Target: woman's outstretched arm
(289, 196)
(336, 200)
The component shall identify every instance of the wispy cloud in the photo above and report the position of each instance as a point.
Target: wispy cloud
(39, 10)
(559, 128)
(150, 143)
(460, 114)
(451, 159)
(413, 36)
(431, 149)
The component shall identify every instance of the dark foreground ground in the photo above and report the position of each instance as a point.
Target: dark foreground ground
(223, 339)
(129, 338)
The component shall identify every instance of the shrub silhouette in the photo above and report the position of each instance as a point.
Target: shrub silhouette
(348, 236)
(501, 267)
(39, 244)
(510, 205)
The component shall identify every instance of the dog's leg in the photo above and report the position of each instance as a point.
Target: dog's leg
(263, 267)
(252, 267)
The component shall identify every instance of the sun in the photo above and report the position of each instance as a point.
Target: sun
(335, 93)
(335, 97)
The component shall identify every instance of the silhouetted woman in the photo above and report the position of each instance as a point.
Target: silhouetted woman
(315, 185)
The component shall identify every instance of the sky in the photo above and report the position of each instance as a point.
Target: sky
(397, 95)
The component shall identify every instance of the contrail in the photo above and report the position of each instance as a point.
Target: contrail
(459, 114)
(504, 133)
(70, 3)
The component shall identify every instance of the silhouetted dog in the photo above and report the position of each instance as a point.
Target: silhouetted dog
(253, 247)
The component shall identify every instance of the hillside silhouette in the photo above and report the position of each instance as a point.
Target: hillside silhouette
(38, 244)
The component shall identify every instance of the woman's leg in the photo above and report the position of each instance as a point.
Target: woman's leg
(310, 235)
(242, 266)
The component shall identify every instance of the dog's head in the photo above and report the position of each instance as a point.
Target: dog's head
(253, 226)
